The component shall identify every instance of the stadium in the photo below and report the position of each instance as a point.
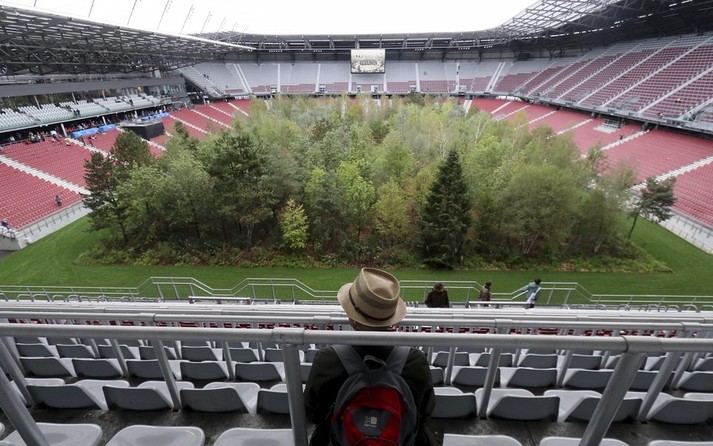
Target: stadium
(175, 361)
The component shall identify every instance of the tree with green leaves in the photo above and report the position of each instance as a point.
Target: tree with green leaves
(538, 206)
(655, 201)
(102, 181)
(244, 197)
(130, 150)
(391, 214)
(293, 222)
(446, 217)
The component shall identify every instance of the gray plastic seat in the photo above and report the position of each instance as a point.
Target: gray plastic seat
(141, 435)
(453, 403)
(440, 359)
(147, 352)
(679, 443)
(436, 375)
(644, 379)
(96, 368)
(483, 359)
(698, 381)
(37, 350)
(589, 362)
(48, 367)
(673, 410)
(704, 365)
(243, 436)
(82, 394)
(472, 375)
(63, 435)
(587, 379)
(200, 353)
(74, 351)
(538, 361)
(565, 441)
(260, 371)
(519, 404)
(149, 395)
(243, 355)
(149, 368)
(273, 400)
(222, 397)
(579, 405)
(527, 377)
(479, 440)
(105, 351)
(208, 370)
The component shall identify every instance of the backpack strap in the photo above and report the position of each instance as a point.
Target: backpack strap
(353, 363)
(350, 359)
(397, 358)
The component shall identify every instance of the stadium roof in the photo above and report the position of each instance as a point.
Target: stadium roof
(38, 42)
(46, 43)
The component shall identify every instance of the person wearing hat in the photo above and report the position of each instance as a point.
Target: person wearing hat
(372, 303)
(438, 297)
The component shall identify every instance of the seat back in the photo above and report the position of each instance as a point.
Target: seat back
(273, 401)
(135, 398)
(66, 396)
(96, 368)
(243, 436)
(525, 408)
(209, 370)
(141, 435)
(63, 434)
(38, 350)
(47, 367)
(74, 351)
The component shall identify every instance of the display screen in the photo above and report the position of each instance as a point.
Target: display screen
(368, 61)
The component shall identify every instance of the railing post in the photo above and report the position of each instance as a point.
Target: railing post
(493, 367)
(227, 357)
(449, 367)
(295, 394)
(13, 367)
(167, 373)
(672, 358)
(13, 408)
(613, 395)
(119, 357)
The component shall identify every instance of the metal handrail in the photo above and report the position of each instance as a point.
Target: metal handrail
(631, 348)
(293, 290)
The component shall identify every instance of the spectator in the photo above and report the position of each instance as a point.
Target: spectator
(484, 295)
(532, 292)
(438, 297)
(58, 200)
(372, 303)
(5, 224)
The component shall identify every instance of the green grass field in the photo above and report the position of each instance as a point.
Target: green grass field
(51, 261)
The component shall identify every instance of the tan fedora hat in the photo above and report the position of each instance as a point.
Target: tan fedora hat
(373, 299)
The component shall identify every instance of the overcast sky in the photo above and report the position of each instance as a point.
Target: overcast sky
(292, 16)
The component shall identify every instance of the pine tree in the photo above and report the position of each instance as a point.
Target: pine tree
(102, 181)
(445, 218)
(655, 201)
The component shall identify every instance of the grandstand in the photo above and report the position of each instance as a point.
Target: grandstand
(633, 77)
(634, 82)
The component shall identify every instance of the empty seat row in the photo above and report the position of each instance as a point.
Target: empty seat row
(91, 434)
(154, 395)
(150, 369)
(513, 404)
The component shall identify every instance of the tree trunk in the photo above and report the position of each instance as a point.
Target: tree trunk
(628, 237)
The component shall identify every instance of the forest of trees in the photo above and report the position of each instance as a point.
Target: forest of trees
(402, 182)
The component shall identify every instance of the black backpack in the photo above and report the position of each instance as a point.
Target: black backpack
(374, 406)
